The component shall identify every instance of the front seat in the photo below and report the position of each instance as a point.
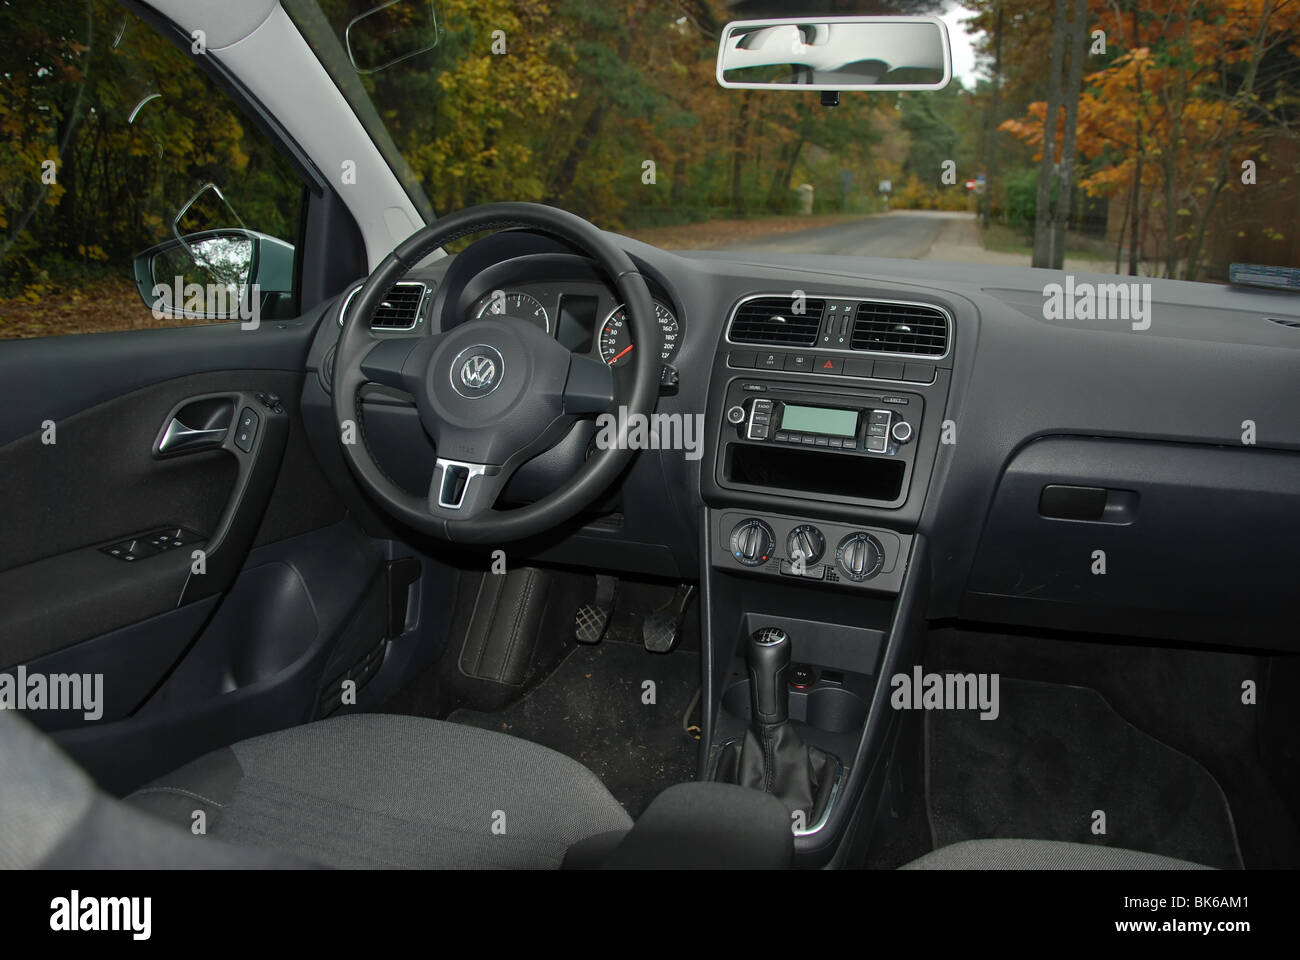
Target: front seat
(365, 790)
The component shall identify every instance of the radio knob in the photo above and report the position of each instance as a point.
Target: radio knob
(751, 542)
(805, 541)
(859, 556)
(736, 415)
(902, 431)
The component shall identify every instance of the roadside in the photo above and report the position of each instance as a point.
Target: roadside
(714, 234)
(99, 306)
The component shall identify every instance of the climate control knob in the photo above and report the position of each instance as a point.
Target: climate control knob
(751, 542)
(806, 542)
(859, 556)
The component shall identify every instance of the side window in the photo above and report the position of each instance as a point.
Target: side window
(134, 193)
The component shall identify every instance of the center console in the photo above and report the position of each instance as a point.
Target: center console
(822, 433)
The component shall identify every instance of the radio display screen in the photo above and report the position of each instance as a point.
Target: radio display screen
(827, 420)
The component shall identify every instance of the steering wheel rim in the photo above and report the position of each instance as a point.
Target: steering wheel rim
(423, 365)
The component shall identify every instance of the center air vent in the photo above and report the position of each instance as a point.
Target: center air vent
(773, 321)
(400, 310)
(900, 328)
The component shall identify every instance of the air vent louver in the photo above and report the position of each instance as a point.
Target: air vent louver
(398, 311)
(772, 321)
(900, 328)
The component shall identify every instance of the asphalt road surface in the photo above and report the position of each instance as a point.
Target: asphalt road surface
(907, 235)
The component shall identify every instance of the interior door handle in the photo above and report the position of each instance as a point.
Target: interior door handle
(199, 424)
(179, 438)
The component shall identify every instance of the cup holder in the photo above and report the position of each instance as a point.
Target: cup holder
(833, 707)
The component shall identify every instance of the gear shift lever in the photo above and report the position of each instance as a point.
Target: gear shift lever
(771, 757)
(768, 658)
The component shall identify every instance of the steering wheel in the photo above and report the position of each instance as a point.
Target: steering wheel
(494, 392)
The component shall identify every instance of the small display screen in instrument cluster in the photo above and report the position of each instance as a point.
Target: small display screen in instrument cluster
(577, 322)
(827, 420)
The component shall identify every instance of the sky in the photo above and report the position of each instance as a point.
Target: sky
(963, 50)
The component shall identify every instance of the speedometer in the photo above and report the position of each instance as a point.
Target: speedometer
(616, 339)
(509, 303)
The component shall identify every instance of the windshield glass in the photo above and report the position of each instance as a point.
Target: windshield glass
(1172, 151)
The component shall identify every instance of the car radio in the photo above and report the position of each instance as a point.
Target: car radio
(821, 423)
(801, 439)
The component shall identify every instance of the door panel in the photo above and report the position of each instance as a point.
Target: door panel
(99, 485)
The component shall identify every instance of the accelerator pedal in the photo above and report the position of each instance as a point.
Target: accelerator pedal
(592, 619)
(661, 630)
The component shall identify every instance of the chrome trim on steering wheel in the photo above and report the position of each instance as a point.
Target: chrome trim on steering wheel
(471, 470)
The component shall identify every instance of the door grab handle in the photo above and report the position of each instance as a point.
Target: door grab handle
(180, 438)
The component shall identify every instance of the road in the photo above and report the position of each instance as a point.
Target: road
(906, 234)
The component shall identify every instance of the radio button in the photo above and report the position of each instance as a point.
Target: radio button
(836, 442)
(877, 430)
(823, 441)
(809, 440)
(881, 416)
(782, 437)
(877, 445)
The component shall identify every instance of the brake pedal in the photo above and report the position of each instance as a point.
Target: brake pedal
(592, 619)
(661, 630)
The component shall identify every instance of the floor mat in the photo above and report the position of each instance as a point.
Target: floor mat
(1053, 756)
(591, 708)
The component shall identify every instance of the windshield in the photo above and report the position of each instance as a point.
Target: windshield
(1172, 148)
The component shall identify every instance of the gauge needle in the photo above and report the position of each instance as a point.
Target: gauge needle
(616, 357)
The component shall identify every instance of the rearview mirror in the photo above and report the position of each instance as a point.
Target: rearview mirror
(836, 53)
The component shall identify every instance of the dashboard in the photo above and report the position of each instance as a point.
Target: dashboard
(1016, 446)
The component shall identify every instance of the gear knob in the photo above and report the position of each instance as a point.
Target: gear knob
(768, 658)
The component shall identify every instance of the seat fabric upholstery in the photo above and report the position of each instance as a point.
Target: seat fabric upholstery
(375, 790)
(1042, 855)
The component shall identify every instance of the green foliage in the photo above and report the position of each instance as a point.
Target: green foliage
(134, 129)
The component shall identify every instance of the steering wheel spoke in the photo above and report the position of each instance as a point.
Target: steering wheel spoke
(397, 361)
(464, 491)
(590, 386)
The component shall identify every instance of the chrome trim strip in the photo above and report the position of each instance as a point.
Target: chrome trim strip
(931, 357)
(419, 307)
(472, 470)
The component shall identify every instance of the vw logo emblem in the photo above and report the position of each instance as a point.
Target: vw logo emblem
(477, 371)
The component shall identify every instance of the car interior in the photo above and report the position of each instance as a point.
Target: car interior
(854, 562)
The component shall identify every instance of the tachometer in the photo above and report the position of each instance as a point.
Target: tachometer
(512, 303)
(616, 339)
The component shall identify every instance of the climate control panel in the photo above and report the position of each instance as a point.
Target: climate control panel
(814, 552)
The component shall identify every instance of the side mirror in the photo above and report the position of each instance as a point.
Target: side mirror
(217, 275)
(836, 53)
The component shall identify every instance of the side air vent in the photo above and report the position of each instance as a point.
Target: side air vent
(772, 321)
(1281, 322)
(400, 310)
(900, 328)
